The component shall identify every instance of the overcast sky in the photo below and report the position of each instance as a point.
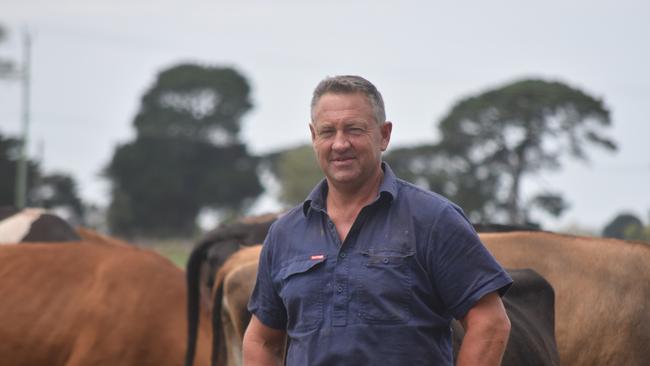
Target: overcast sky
(93, 60)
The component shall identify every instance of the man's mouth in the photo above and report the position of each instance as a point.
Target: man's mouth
(342, 159)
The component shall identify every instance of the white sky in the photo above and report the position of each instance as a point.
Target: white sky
(93, 60)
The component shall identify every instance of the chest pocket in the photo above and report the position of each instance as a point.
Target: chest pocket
(385, 292)
(302, 287)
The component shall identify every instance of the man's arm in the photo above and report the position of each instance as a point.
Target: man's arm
(263, 345)
(487, 328)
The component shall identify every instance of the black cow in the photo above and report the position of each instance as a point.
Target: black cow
(530, 306)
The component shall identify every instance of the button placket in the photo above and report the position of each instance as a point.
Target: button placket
(340, 303)
(334, 234)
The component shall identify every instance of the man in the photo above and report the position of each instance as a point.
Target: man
(370, 269)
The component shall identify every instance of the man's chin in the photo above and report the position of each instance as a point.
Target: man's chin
(340, 177)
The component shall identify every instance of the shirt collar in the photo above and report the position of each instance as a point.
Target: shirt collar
(387, 191)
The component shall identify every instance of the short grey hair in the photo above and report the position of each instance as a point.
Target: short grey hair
(350, 84)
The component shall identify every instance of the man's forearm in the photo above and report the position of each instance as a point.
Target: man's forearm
(262, 345)
(257, 352)
(484, 346)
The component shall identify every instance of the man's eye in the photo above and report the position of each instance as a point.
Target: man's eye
(326, 133)
(356, 130)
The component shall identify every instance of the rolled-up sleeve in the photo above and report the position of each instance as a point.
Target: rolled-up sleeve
(463, 269)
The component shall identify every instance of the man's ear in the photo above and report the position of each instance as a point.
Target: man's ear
(312, 129)
(386, 129)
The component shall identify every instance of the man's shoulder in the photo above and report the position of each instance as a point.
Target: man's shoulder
(426, 198)
(427, 207)
(295, 213)
(289, 219)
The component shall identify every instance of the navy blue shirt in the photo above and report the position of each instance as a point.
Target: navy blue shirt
(387, 294)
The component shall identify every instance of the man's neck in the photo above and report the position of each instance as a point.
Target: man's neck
(345, 203)
(342, 195)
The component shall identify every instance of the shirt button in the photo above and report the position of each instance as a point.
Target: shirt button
(385, 261)
(339, 289)
(342, 254)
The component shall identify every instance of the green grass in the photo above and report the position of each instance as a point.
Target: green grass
(176, 250)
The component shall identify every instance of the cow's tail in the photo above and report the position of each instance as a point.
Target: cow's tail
(218, 340)
(193, 275)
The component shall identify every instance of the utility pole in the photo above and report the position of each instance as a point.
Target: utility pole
(9, 71)
(21, 167)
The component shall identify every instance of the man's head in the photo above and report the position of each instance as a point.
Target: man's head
(351, 84)
(349, 131)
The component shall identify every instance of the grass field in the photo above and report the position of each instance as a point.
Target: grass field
(176, 250)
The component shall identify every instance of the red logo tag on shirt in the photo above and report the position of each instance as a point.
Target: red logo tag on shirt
(317, 257)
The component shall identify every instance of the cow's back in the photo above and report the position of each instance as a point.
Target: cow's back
(602, 287)
(33, 225)
(88, 304)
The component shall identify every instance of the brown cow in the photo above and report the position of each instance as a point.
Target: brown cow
(92, 303)
(232, 288)
(206, 259)
(602, 292)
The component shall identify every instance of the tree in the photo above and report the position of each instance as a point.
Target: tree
(57, 191)
(432, 168)
(7, 66)
(624, 226)
(9, 151)
(187, 154)
(297, 171)
(491, 141)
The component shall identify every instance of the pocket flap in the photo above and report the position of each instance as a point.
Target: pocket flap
(301, 266)
(386, 256)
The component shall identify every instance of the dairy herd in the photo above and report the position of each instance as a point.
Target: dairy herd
(71, 296)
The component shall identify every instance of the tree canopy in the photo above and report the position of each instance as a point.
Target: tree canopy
(59, 191)
(9, 152)
(297, 172)
(492, 140)
(187, 154)
(6, 65)
(203, 103)
(626, 226)
(56, 191)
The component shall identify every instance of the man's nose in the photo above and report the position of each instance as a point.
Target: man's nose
(341, 141)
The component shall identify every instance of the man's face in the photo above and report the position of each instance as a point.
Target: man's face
(347, 139)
